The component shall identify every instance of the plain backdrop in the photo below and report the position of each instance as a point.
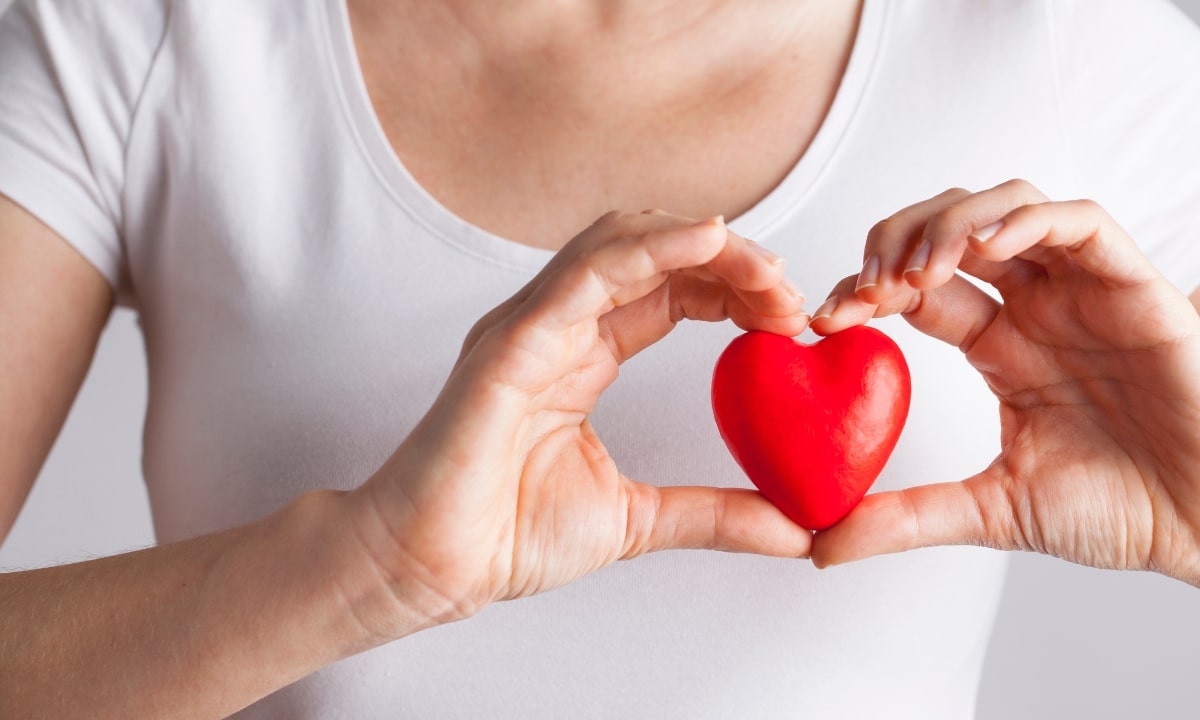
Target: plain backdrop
(1070, 642)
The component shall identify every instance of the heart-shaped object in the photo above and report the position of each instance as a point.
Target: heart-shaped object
(812, 425)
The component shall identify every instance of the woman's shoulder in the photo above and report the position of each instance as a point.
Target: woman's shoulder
(105, 38)
(71, 74)
(1071, 24)
(107, 32)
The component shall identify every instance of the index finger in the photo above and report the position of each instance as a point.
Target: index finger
(614, 273)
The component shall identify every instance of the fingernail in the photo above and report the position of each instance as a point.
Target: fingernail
(986, 232)
(792, 290)
(919, 259)
(767, 255)
(869, 277)
(826, 310)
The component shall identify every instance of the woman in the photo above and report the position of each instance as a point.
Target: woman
(309, 204)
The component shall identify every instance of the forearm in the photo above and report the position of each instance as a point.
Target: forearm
(198, 628)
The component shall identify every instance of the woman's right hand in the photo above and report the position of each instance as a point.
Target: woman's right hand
(504, 488)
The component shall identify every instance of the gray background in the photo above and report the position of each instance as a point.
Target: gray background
(1069, 642)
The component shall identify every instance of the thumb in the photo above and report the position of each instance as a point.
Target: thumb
(977, 511)
(733, 520)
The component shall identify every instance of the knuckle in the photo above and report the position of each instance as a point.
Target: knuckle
(482, 324)
(720, 522)
(948, 223)
(912, 303)
(1090, 207)
(1024, 213)
(474, 334)
(486, 323)
(615, 227)
(609, 219)
(1022, 188)
(502, 334)
(513, 344)
(884, 232)
(630, 235)
(587, 267)
(642, 512)
(1002, 515)
(1016, 184)
(500, 356)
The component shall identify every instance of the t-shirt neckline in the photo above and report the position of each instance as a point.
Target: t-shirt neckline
(757, 222)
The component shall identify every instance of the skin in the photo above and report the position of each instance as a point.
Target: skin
(204, 627)
(503, 489)
(46, 344)
(507, 461)
(699, 107)
(1093, 357)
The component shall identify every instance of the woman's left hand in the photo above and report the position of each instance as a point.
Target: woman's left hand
(1094, 357)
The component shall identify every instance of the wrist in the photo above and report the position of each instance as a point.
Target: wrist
(400, 594)
(327, 531)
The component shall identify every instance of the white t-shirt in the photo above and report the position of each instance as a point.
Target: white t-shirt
(303, 298)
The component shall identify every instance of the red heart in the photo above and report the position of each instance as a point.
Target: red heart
(812, 425)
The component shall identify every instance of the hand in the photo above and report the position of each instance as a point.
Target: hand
(504, 488)
(1094, 357)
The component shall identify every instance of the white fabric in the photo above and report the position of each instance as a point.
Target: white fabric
(302, 300)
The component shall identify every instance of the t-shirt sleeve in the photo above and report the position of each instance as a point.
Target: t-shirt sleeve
(1129, 76)
(71, 72)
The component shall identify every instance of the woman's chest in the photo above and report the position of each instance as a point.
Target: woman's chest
(540, 178)
(534, 146)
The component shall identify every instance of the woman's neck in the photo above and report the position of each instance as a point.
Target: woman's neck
(580, 110)
(512, 32)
